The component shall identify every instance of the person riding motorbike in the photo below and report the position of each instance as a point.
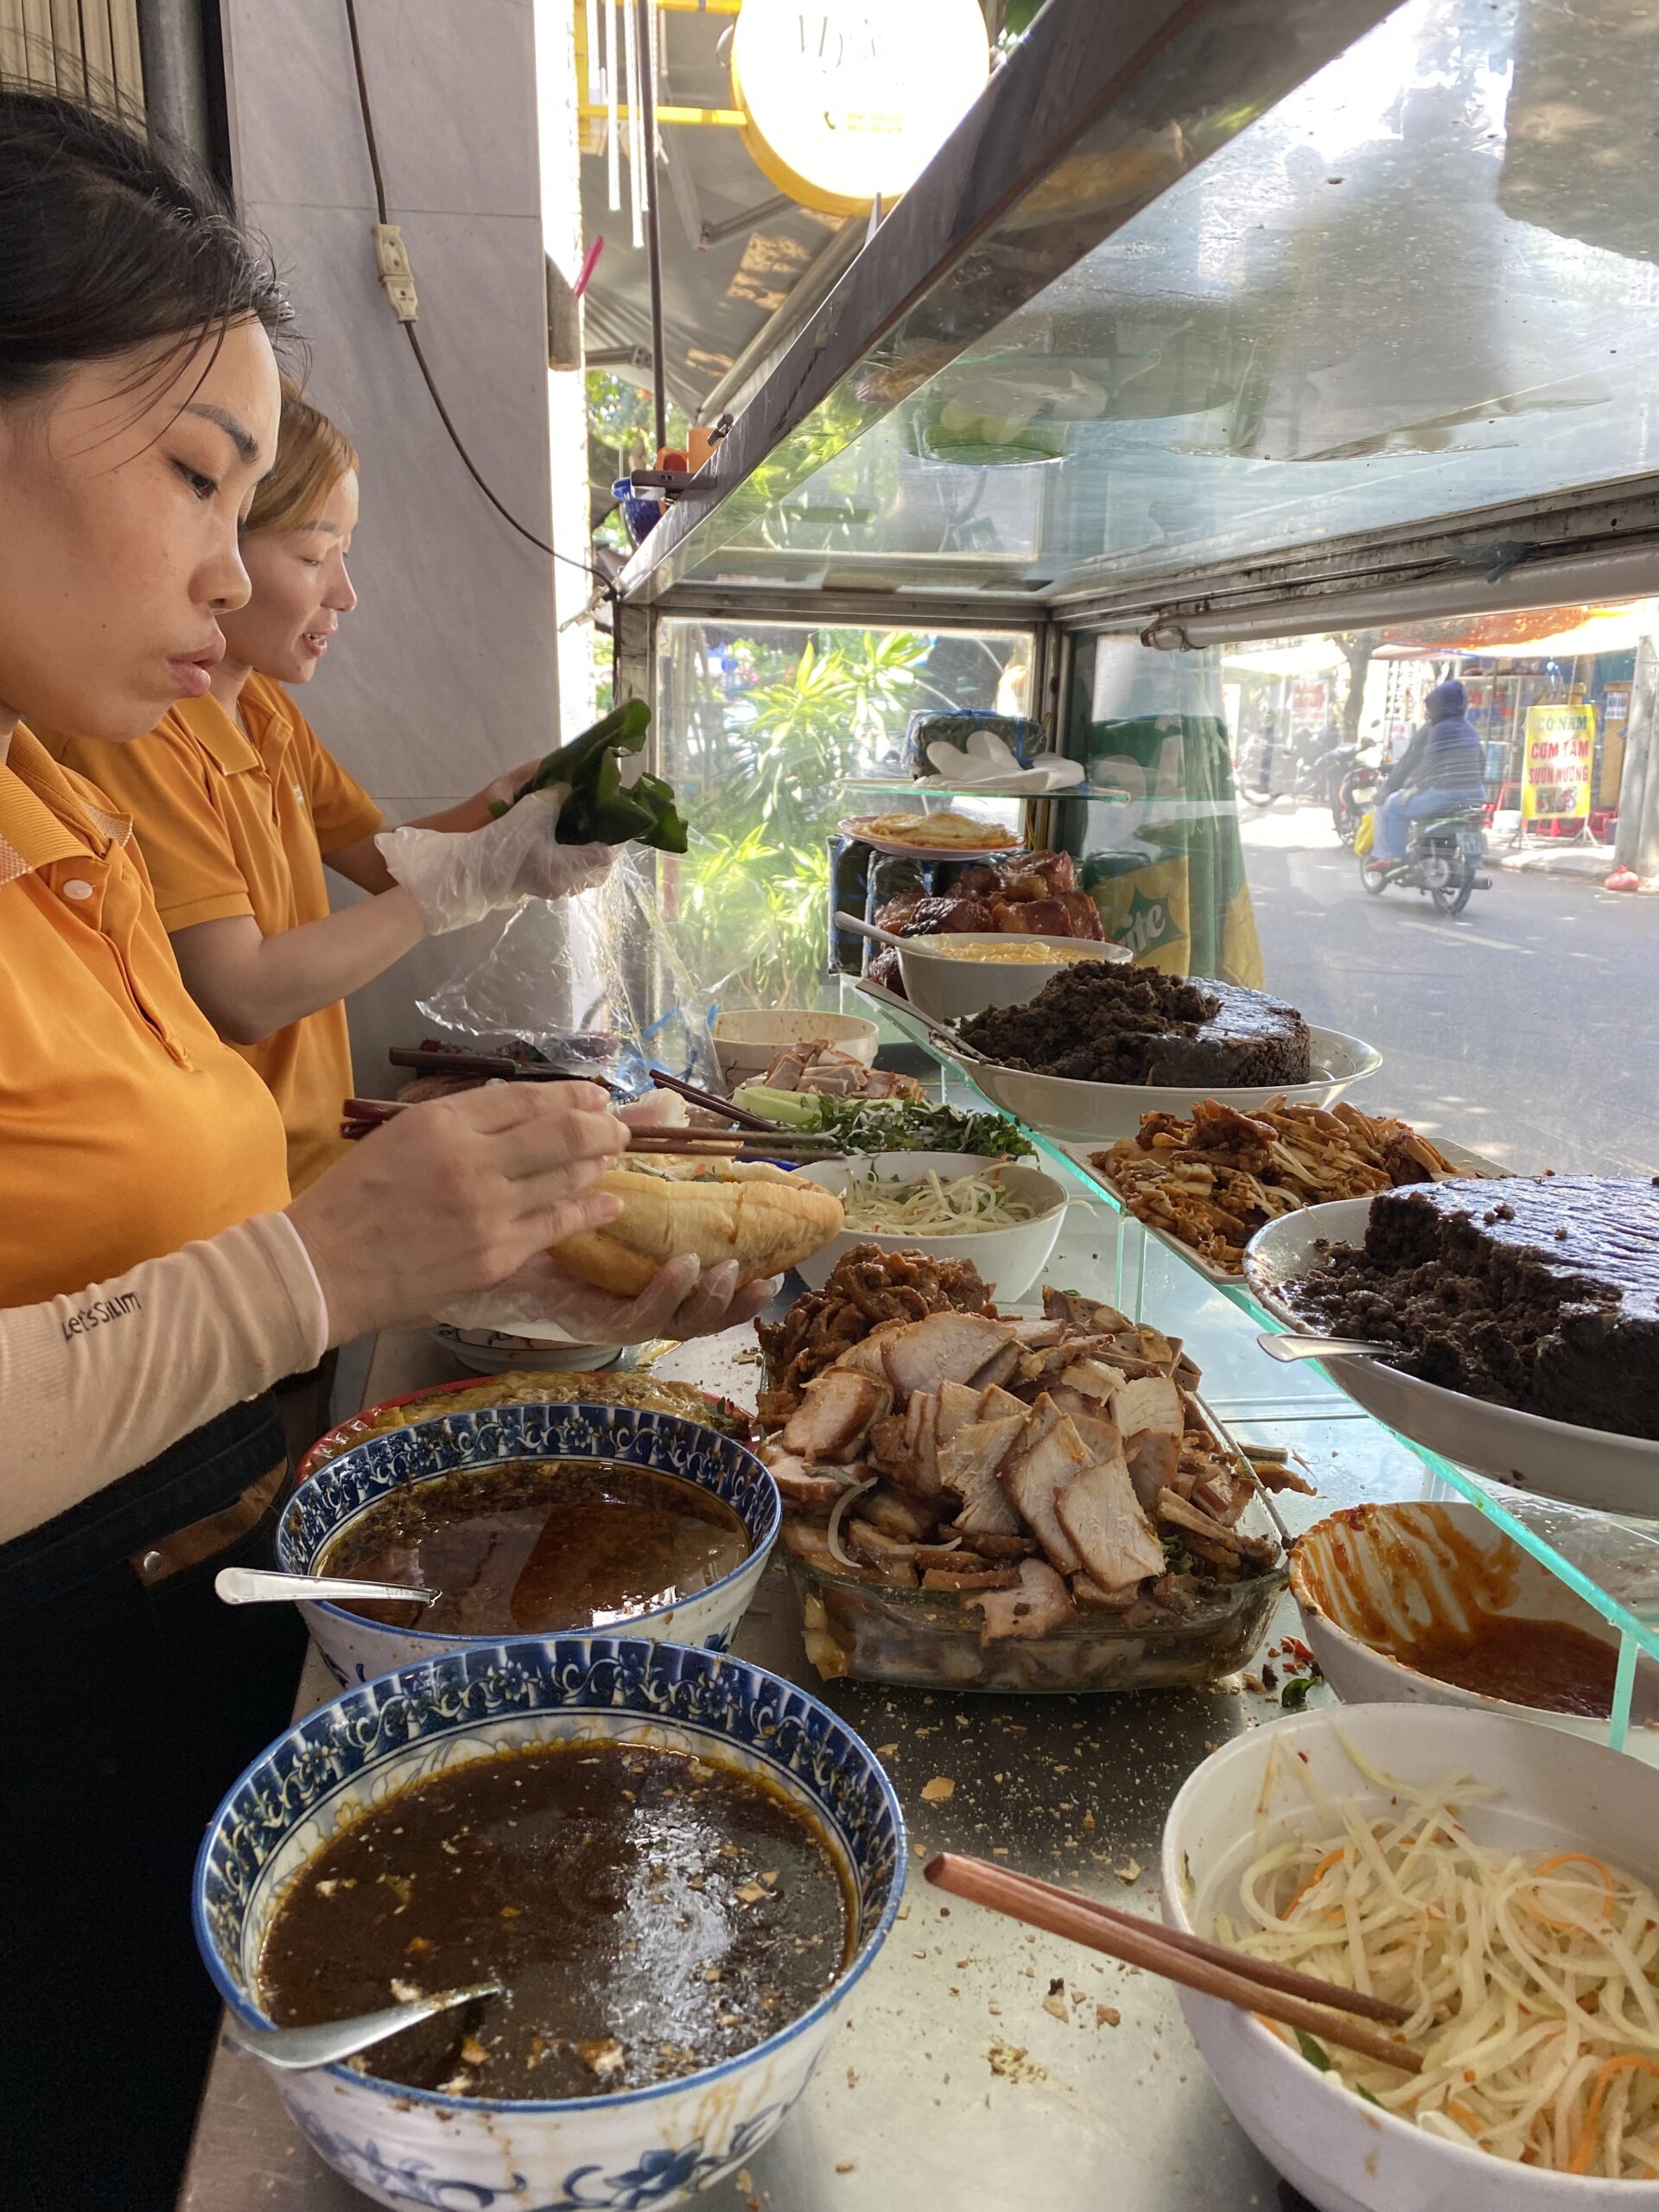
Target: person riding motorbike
(1438, 772)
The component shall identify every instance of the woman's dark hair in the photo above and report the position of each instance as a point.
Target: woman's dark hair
(105, 247)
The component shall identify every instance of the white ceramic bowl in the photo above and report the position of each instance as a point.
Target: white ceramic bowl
(1367, 1578)
(1010, 1259)
(1560, 1794)
(952, 989)
(1585, 1467)
(1087, 1111)
(652, 2147)
(747, 1041)
(355, 1648)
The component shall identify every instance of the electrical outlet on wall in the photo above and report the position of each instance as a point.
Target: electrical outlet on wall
(391, 259)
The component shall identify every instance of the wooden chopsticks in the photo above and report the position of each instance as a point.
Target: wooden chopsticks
(363, 1115)
(1299, 2000)
(736, 1144)
(444, 1062)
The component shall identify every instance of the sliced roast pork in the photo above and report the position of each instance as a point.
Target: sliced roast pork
(944, 1348)
(1040, 1603)
(1151, 1416)
(833, 1417)
(1048, 1455)
(1101, 1515)
(968, 1466)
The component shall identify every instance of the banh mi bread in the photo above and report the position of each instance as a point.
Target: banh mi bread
(720, 1210)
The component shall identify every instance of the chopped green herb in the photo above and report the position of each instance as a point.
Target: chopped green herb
(890, 1124)
(1293, 1696)
(1314, 2053)
(1363, 2091)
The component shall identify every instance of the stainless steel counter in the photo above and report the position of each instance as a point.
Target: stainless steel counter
(953, 2077)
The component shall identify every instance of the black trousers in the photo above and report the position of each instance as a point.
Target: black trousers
(125, 1713)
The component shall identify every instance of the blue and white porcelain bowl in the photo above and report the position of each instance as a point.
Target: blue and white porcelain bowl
(646, 2147)
(356, 1649)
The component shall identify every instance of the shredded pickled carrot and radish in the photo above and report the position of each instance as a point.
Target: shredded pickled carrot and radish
(1530, 1978)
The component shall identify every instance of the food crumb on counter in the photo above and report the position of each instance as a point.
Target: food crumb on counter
(845, 2165)
(1055, 2005)
(1129, 1872)
(1011, 2062)
(1106, 2016)
(886, 1751)
(939, 1790)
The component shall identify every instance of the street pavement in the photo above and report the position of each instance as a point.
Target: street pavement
(1527, 1029)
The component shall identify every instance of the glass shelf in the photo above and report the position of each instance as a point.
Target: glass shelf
(1420, 283)
(904, 786)
(1611, 1563)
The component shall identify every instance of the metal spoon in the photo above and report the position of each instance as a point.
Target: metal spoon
(251, 1585)
(1301, 1344)
(326, 2044)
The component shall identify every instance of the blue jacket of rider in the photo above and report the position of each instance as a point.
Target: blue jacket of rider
(1445, 754)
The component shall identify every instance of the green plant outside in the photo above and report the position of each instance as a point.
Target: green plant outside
(759, 752)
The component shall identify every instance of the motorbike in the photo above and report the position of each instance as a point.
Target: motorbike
(1442, 860)
(1295, 768)
(1356, 782)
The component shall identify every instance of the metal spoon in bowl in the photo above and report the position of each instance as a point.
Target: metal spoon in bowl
(1296, 1343)
(251, 1585)
(332, 2040)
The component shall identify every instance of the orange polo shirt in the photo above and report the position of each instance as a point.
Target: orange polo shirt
(126, 1127)
(237, 824)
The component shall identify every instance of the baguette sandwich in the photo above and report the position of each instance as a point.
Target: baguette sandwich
(720, 1210)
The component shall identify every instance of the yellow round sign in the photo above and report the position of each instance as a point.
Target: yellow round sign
(847, 99)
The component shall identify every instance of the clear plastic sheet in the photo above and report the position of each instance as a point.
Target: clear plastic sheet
(595, 983)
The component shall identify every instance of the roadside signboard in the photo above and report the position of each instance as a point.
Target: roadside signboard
(1561, 753)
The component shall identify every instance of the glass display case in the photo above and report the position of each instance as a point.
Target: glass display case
(1220, 391)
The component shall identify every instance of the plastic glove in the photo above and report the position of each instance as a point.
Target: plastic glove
(455, 878)
(679, 1301)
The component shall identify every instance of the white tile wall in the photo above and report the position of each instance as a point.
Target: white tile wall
(447, 672)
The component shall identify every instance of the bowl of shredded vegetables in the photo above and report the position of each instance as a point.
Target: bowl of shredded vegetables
(1497, 1878)
(1003, 1215)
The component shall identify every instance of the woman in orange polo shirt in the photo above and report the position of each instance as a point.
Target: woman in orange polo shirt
(156, 1277)
(237, 808)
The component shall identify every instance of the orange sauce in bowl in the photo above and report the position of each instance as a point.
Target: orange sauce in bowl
(1550, 1664)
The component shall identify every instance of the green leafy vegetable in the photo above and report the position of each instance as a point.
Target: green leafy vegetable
(1314, 2053)
(1370, 2099)
(597, 809)
(1293, 1696)
(890, 1124)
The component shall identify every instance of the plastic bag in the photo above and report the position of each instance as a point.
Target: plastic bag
(594, 983)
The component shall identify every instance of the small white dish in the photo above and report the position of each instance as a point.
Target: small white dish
(493, 1351)
(748, 1039)
(1596, 1467)
(1011, 1260)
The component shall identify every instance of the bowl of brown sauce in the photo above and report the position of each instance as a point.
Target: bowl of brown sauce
(1434, 1603)
(532, 1519)
(675, 1864)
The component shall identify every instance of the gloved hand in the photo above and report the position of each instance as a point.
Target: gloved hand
(678, 1301)
(455, 878)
